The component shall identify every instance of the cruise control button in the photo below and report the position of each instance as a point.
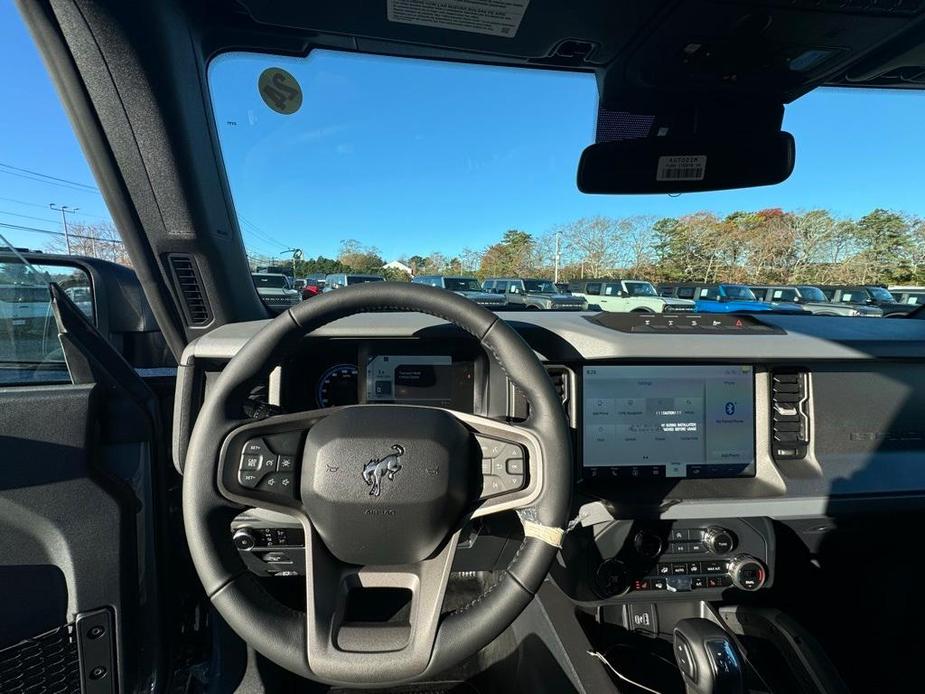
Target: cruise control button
(250, 462)
(248, 479)
(269, 464)
(255, 447)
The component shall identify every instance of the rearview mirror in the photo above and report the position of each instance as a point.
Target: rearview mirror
(685, 165)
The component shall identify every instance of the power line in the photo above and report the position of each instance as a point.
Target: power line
(50, 177)
(45, 207)
(66, 186)
(36, 230)
(260, 233)
(29, 216)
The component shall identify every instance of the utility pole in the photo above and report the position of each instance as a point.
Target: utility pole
(65, 210)
(296, 255)
(556, 273)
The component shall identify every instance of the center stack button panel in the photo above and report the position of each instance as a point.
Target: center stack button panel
(663, 560)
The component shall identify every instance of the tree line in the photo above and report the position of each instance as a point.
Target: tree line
(766, 246)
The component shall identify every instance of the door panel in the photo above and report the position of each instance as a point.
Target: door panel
(72, 539)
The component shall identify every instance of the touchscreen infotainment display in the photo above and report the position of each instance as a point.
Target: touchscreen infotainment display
(668, 421)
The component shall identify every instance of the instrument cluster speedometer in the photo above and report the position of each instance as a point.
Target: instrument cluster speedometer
(337, 386)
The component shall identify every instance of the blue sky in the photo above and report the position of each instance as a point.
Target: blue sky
(416, 157)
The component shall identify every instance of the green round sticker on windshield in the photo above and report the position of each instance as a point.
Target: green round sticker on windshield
(280, 91)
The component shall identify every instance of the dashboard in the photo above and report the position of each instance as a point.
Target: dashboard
(689, 444)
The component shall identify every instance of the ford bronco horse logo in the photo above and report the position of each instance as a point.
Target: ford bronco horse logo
(377, 468)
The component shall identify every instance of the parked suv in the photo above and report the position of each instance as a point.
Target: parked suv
(721, 298)
(810, 299)
(637, 296)
(341, 279)
(534, 294)
(868, 295)
(914, 296)
(275, 291)
(468, 287)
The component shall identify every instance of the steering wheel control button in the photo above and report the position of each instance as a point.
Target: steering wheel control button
(255, 447)
(250, 462)
(248, 479)
(269, 464)
(279, 483)
(244, 539)
(503, 466)
(285, 463)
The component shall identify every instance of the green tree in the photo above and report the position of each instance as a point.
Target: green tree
(360, 258)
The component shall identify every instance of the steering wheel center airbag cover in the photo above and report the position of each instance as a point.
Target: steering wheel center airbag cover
(386, 484)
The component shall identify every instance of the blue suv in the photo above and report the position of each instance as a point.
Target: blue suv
(724, 298)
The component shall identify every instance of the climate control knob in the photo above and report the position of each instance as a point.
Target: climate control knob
(747, 573)
(719, 540)
(244, 538)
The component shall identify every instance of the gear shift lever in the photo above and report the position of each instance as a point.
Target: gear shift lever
(709, 660)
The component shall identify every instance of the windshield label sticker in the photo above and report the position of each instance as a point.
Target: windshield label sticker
(494, 17)
(681, 168)
(280, 91)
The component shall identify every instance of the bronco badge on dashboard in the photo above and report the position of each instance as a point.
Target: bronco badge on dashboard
(377, 468)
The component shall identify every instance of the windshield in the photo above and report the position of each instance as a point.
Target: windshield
(640, 289)
(402, 168)
(733, 291)
(462, 284)
(540, 287)
(355, 279)
(271, 281)
(812, 294)
(880, 294)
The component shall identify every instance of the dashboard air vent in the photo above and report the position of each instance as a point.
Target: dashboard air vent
(789, 415)
(519, 408)
(188, 285)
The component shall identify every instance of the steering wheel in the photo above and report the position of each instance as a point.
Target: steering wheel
(382, 493)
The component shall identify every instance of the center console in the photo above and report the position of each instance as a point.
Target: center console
(658, 560)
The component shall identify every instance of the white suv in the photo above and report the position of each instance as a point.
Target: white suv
(625, 296)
